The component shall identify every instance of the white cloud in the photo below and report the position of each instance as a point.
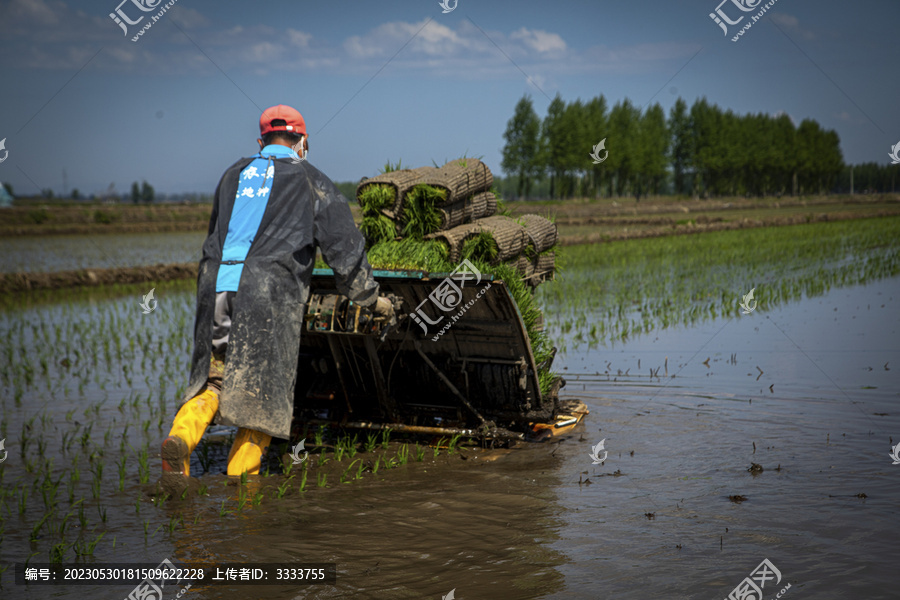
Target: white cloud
(300, 39)
(69, 37)
(540, 41)
(791, 23)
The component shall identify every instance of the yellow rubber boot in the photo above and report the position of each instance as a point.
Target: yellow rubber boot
(192, 420)
(246, 452)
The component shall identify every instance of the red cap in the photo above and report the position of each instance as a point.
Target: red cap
(293, 119)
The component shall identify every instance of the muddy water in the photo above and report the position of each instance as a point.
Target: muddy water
(821, 409)
(70, 252)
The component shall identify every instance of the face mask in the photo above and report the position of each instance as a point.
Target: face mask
(298, 148)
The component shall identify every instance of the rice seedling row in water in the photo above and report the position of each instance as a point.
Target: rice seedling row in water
(612, 291)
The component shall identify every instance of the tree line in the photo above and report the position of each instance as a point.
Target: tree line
(697, 151)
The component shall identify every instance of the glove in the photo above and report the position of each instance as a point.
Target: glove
(383, 309)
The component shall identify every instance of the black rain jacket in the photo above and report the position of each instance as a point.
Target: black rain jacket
(304, 210)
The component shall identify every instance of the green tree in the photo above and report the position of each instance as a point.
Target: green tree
(147, 193)
(681, 147)
(521, 153)
(135, 192)
(595, 128)
(653, 149)
(624, 159)
(557, 139)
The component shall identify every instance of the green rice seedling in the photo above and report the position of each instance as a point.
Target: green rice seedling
(82, 520)
(347, 470)
(375, 466)
(420, 453)
(137, 505)
(222, 511)
(351, 446)
(23, 500)
(437, 447)
(121, 465)
(360, 469)
(322, 460)
(420, 215)
(184, 493)
(371, 442)
(321, 479)
(102, 512)
(204, 456)
(58, 552)
(203, 490)
(403, 454)
(143, 467)
(339, 451)
(173, 523)
(377, 196)
(159, 500)
(303, 478)
(87, 548)
(385, 438)
(377, 228)
(98, 478)
(411, 254)
(480, 247)
(244, 477)
(283, 488)
(86, 436)
(389, 167)
(318, 435)
(36, 530)
(451, 447)
(257, 499)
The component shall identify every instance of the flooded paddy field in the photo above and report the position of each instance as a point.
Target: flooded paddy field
(97, 251)
(688, 393)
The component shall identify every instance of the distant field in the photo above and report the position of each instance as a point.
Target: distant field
(579, 221)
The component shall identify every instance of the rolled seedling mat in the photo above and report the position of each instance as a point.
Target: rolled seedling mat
(475, 207)
(544, 267)
(461, 178)
(508, 237)
(523, 266)
(541, 232)
(400, 181)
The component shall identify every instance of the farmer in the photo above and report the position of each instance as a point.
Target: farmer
(270, 211)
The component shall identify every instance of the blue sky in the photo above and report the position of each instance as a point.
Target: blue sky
(400, 80)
